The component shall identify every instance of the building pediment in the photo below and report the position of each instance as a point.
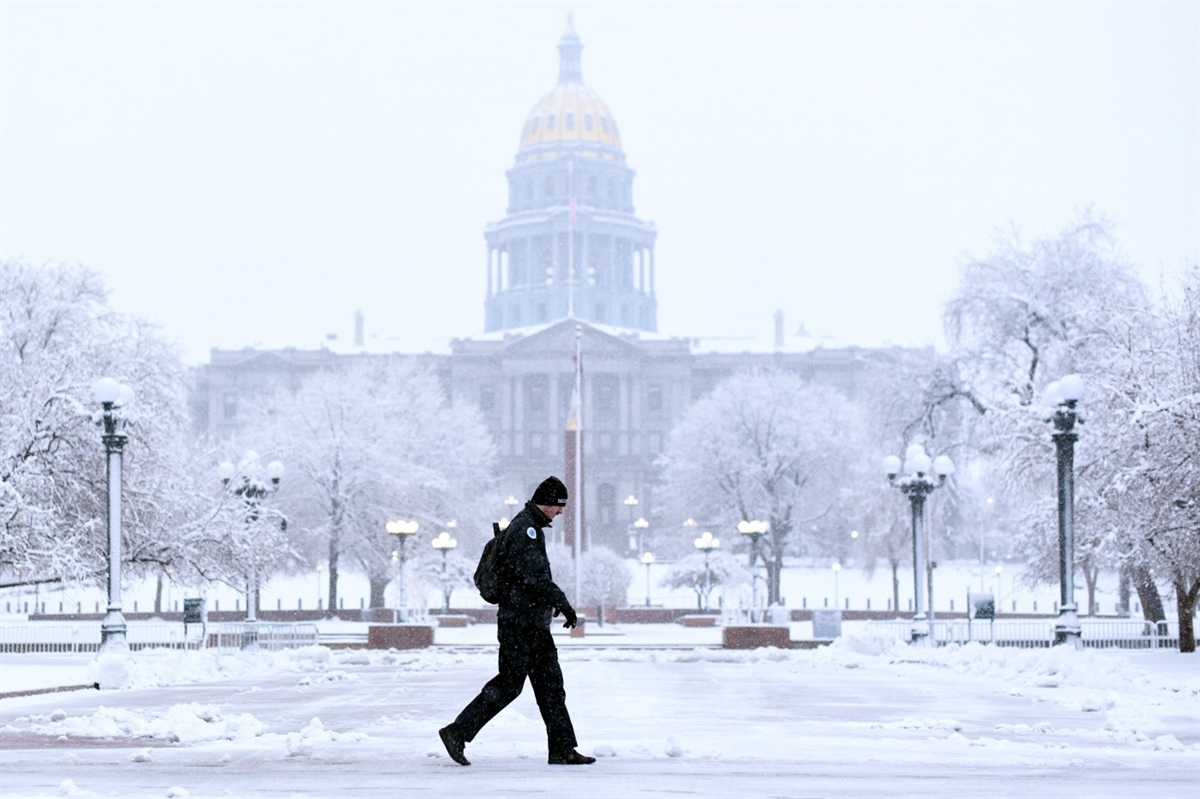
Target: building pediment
(560, 338)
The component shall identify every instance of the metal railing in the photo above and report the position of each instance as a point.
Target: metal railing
(232, 636)
(85, 637)
(1034, 633)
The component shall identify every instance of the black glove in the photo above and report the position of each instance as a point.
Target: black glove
(569, 614)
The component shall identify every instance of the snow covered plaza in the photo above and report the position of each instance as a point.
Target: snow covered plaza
(859, 341)
(665, 710)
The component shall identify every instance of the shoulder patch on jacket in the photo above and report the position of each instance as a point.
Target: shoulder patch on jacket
(532, 533)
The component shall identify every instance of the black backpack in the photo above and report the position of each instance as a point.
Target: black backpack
(488, 577)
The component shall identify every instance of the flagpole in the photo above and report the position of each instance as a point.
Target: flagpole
(578, 487)
(570, 239)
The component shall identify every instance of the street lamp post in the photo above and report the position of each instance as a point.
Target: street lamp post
(116, 401)
(754, 529)
(837, 570)
(1062, 397)
(403, 530)
(999, 572)
(639, 525)
(630, 502)
(706, 544)
(251, 489)
(444, 543)
(917, 486)
(320, 568)
(647, 561)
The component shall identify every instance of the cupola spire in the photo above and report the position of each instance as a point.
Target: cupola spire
(570, 69)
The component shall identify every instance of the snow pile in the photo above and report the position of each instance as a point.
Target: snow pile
(302, 744)
(159, 668)
(110, 670)
(186, 723)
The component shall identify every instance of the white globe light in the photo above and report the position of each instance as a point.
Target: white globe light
(942, 465)
(106, 390)
(917, 463)
(1071, 388)
(125, 396)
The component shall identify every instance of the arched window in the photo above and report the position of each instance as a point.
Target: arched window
(606, 499)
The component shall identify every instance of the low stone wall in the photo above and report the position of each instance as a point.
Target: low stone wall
(453, 620)
(753, 636)
(399, 636)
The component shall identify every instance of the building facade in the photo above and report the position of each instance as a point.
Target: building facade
(569, 259)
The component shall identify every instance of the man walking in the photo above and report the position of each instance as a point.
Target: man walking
(523, 628)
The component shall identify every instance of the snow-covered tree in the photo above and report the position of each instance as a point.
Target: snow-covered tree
(723, 570)
(57, 336)
(432, 571)
(375, 441)
(604, 579)
(1153, 486)
(1023, 316)
(764, 445)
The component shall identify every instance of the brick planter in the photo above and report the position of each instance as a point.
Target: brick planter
(753, 636)
(399, 636)
(580, 627)
(698, 621)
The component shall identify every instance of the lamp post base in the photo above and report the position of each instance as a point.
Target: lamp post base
(919, 632)
(112, 632)
(1066, 629)
(250, 635)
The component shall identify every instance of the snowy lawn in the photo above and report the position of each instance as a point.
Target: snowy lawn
(862, 718)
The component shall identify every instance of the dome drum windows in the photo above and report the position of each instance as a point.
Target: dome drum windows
(569, 121)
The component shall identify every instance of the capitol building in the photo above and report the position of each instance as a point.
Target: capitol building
(569, 264)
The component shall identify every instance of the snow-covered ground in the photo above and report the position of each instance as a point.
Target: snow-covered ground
(666, 713)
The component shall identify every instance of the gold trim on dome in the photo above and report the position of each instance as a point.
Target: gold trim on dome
(570, 113)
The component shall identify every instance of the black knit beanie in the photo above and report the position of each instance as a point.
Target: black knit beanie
(550, 492)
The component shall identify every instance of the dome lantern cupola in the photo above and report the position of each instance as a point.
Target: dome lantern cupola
(570, 69)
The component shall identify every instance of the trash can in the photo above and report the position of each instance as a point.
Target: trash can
(827, 623)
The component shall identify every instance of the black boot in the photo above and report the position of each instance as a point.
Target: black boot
(454, 746)
(570, 757)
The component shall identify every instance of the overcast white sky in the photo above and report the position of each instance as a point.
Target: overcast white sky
(256, 172)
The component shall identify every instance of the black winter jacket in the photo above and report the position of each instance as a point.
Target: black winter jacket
(530, 595)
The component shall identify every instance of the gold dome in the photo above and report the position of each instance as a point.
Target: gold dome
(572, 116)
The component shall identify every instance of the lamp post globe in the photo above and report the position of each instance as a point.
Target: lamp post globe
(1062, 398)
(754, 529)
(444, 543)
(640, 525)
(116, 402)
(837, 570)
(251, 483)
(402, 529)
(647, 561)
(706, 544)
(916, 477)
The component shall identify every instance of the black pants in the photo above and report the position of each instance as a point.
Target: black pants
(525, 651)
